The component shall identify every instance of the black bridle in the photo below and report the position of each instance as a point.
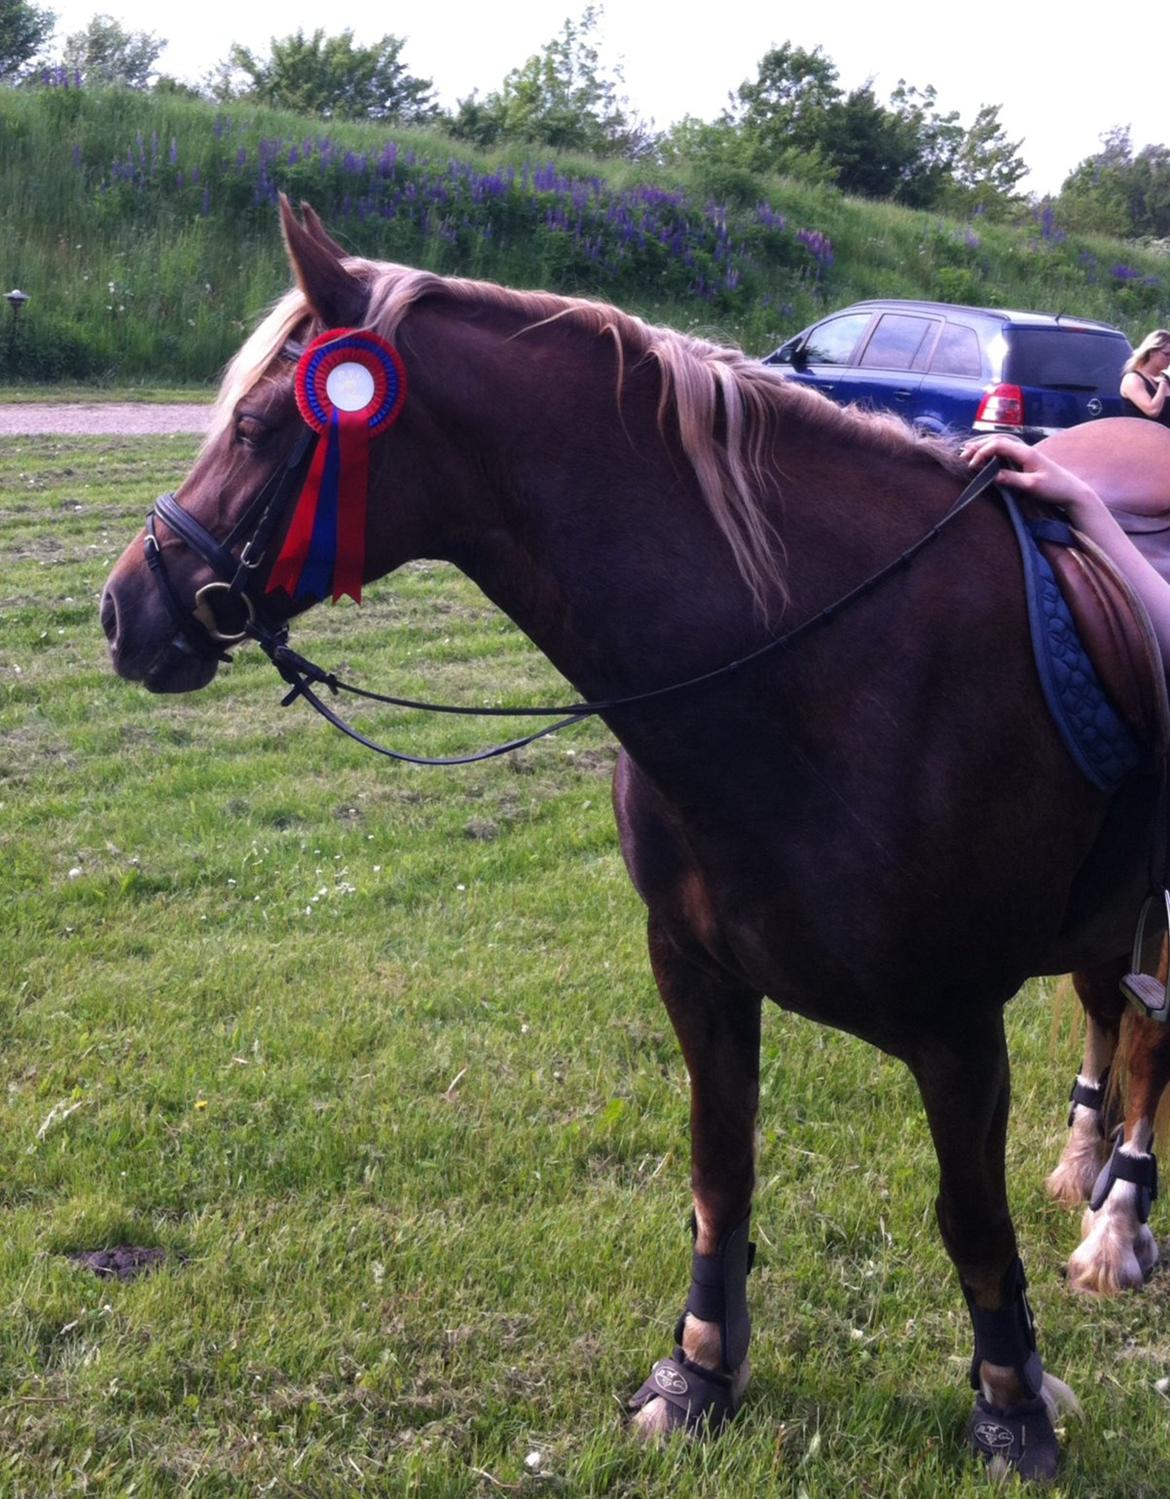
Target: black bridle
(201, 632)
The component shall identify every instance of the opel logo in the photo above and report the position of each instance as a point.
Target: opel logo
(1095, 408)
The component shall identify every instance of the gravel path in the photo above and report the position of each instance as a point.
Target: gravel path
(102, 419)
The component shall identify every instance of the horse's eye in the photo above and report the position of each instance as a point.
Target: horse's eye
(250, 430)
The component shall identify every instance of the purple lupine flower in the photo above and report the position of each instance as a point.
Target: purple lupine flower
(818, 245)
(205, 205)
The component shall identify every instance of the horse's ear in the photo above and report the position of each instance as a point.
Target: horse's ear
(338, 298)
(317, 229)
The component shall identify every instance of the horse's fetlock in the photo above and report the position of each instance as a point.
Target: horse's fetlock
(702, 1342)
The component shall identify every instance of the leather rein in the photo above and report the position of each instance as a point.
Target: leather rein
(200, 631)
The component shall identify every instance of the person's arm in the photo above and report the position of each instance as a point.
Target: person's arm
(1037, 475)
(1133, 388)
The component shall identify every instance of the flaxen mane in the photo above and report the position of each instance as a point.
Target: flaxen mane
(705, 387)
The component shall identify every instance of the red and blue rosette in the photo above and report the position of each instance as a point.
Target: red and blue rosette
(350, 387)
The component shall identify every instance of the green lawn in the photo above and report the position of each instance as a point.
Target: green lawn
(374, 1055)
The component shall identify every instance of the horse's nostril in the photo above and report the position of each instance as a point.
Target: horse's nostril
(109, 615)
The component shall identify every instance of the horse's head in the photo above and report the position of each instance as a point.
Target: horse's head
(195, 579)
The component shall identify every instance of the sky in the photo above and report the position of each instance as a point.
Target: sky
(1061, 84)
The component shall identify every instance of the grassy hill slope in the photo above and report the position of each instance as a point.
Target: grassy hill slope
(143, 229)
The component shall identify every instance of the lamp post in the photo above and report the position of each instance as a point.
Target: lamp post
(16, 300)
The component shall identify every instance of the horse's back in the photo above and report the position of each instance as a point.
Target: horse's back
(1126, 459)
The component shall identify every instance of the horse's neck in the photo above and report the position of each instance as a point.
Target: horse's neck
(596, 541)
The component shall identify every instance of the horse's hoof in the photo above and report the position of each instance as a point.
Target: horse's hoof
(1020, 1439)
(681, 1395)
(1113, 1257)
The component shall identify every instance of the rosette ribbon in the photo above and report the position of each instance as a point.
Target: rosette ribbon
(350, 387)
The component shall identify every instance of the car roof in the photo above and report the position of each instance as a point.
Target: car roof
(999, 314)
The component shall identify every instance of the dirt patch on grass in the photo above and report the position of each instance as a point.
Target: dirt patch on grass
(123, 1263)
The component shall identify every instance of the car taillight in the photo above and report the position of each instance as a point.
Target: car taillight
(1002, 405)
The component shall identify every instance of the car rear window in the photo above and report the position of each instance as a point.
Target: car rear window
(1065, 357)
(957, 352)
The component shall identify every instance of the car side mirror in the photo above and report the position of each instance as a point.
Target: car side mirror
(791, 352)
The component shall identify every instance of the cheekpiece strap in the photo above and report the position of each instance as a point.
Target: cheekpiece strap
(719, 1292)
(1007, 1336)
(1141, 1170)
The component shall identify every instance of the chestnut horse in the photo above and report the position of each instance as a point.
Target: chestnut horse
(876, 827)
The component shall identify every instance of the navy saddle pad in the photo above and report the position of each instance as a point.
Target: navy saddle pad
(1099, 740)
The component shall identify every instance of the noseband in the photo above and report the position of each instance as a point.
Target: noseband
(201, 630)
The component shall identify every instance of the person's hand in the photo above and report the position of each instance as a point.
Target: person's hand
(1033, 471)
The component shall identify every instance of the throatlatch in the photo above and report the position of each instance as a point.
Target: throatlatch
(1141, 1170)
(1007, 1336)
(697, 1395)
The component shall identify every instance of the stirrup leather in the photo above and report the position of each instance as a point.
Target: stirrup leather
(1143, 987)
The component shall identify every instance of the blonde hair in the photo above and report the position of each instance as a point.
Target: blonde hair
(1157, 342)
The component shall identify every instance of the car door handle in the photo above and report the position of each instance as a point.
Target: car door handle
(903, 395)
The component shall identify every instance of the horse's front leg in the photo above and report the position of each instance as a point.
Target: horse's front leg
(1118, 1251)
(717, 1021)
(1093, 1109)
(962, 1074)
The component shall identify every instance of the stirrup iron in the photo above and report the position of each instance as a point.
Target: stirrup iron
(1143, 987)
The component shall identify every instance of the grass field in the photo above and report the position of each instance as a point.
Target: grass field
(373, 1054)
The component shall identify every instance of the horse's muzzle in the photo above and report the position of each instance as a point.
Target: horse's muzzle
(144, 646)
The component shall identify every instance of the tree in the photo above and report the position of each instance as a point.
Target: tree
(559, 97)
(106, 53)
(903, 150)
(24, 30)
(335, 77)
(785, 109)
(931, 142)
(986, 168)
(1118, 192)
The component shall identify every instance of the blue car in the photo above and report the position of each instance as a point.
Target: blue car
(959, 370)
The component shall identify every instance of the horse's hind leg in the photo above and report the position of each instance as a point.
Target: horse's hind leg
(1093, 1110)
(1118, 1251)
(962, 1074)
(717, 1021)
